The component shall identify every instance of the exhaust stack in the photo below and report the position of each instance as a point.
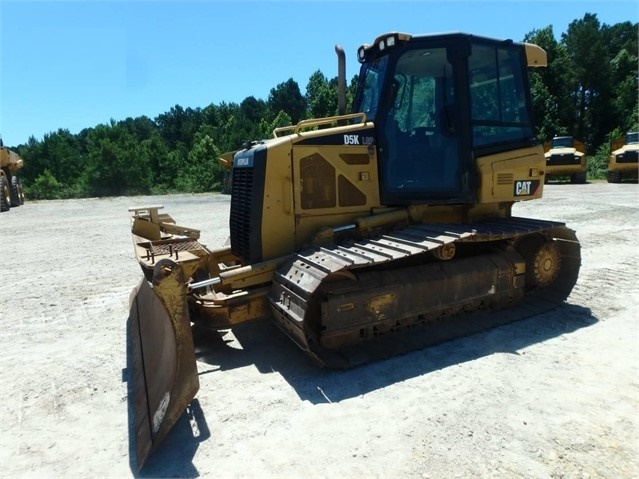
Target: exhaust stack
(341, 80)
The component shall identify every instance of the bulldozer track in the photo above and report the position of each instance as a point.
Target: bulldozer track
(299, 306)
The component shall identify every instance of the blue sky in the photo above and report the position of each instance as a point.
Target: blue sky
(76, 64)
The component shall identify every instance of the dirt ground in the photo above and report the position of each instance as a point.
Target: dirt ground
(553, 396)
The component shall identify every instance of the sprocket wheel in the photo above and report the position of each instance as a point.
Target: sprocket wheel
(546, 264)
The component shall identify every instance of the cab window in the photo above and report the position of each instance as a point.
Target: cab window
(499, 109)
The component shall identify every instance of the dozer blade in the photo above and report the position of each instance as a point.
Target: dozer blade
(165, 376)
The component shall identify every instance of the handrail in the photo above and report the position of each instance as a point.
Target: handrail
(318, 121)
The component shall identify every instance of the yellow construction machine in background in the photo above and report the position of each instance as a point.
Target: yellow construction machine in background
(566, 156)
(11, 195)
(622, 163)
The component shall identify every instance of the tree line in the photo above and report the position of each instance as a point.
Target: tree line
(589, 90)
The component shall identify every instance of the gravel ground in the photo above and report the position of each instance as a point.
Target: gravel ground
(553, 396)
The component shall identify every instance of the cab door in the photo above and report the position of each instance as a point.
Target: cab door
(419, 142)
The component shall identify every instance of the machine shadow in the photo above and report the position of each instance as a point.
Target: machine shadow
(263, 345)
(174, 456)
(267, 348)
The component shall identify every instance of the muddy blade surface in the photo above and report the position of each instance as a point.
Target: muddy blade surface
(164, 369)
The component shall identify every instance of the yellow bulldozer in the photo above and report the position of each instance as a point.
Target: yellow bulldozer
(11, 195)
(367, 234)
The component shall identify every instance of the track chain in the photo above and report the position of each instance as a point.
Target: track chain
(297, 280)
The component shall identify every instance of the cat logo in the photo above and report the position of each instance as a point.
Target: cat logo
(526, 188)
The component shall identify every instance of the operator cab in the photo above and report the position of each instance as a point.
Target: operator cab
(438, 103)
(562, 142)
(632, 138)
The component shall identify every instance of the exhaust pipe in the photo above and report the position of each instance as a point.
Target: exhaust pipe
(341, 81)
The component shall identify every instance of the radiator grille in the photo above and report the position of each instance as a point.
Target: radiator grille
(629, 156)
(564, 159)
(240, 217)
